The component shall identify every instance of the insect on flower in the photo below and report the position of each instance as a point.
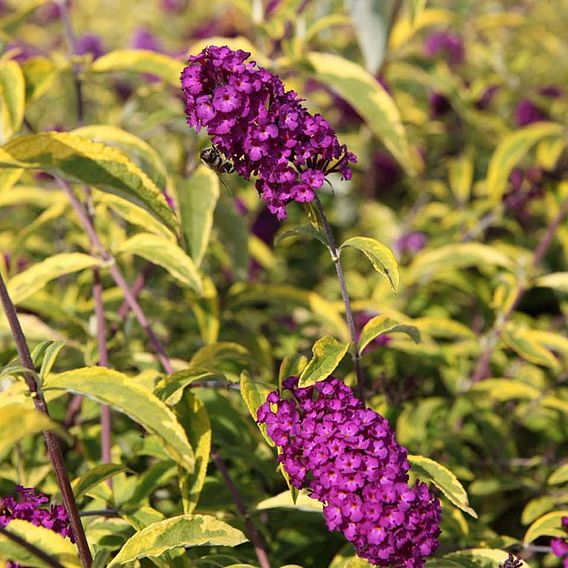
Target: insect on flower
(214, 160)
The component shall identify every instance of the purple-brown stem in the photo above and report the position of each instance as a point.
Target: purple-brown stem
(482, 368)
(51, 441)
(345, 295)
(254, 535)
(37, 552)
(117, 276)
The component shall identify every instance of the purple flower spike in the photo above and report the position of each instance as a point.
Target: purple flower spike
(90, 43)
(527, 112)
(31, 507)
(262, 128)
(347, 457)
(447, 44)
(560, 545)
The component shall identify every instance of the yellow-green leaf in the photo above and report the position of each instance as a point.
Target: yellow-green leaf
(555, 280)
(95, 475)
(443, 327)
(12, 99)
(135, 148)
(475, 558)
(170, 388)
(433, 472)
(216, 352)
(192, 415)
(512, 149)
(381, 325)
(381, 257)
(121, 392)
(327, 354)
(59, 548)
(198, 197)
(370, 100)
(460, 173)
(39, 74)
(28, 282)
(181, 531)
(559, 476)
(284, 500)
(254, 394)
(18, 422)
(159, 250)
(79, 159)
(547, 525)
(140, 61)
(527, 345)
(502, 390)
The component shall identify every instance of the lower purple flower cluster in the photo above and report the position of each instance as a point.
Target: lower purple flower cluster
(263, 129)
(560, 545)
(347, 457)
(29, 507)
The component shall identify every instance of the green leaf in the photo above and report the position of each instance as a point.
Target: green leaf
(159, 250)
(170, 388)
(527, 346)
(198, 197)
(559, 476)
(192, 415)
(217, 352)
(30, 281)
(254, 394)
(431, 471)
(475, 558)
(140, 61)
(547, 525)
(460, 173)
(381, 325)
(415, 8)
(49, 357)
(556, 280)
(12, 99)
(284, 500)
(362, 91)
(94, 476)
(443, 327)
(503, 390)
(511, 150)
(181, 531)
(39, 74)
(306, 230)
(18, 421)
(327, 354)
(135, 148)
(372, 21)
(381, 257)
(291, 366)
(81, 160)
(107, 386)
(48, 541)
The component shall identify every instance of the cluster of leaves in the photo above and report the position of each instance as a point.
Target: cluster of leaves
(474, 374)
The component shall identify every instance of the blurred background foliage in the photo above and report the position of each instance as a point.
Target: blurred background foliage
(463, 172)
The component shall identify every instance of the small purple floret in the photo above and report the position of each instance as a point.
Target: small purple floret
(347, 457)
(262, 128)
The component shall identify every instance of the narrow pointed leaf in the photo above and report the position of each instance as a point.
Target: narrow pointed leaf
(48, 541)
(381, 325)
(30, 281)
(183, 531)
(159, 250)
(327, 354)
(198, 197)
(254, 394)
(547, 525)
(170, 388)
(125, 395)
(94, 476)
(12, 99)
(433, 472)
(381, 257)
(360, 89)
(81, 160)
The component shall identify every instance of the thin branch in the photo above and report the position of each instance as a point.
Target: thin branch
(482, 368)
(344, 294)
(254, 535)
(117, 276)
(51, 441)
(37, 552)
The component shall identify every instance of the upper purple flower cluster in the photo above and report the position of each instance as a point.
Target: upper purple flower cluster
(348, 458)
(260, 127)
(445, 43)
(29, 507)
(560, 545)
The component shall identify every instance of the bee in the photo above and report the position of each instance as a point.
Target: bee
(216, 161)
